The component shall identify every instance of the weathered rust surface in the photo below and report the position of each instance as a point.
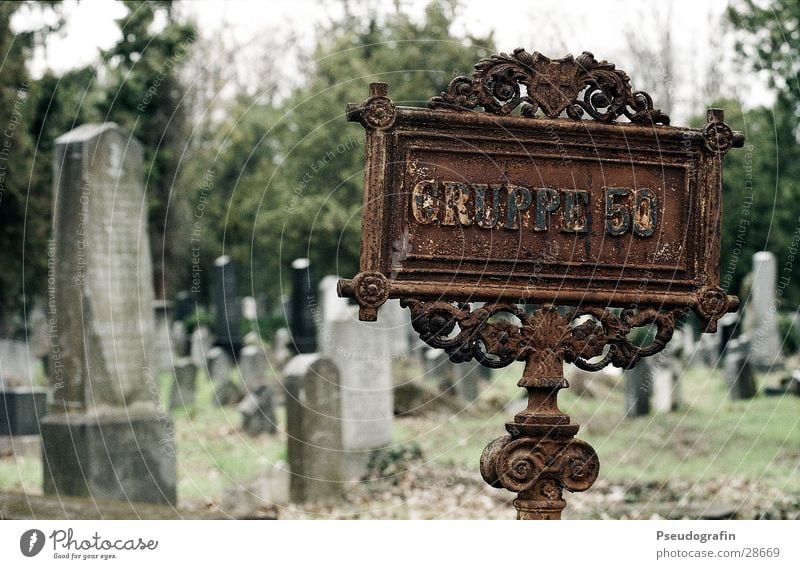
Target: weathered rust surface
(547, 209)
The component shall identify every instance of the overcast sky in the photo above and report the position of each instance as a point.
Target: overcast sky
(554, 27)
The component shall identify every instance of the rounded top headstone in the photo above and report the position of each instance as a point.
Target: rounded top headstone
(301, 263)
(222, 260)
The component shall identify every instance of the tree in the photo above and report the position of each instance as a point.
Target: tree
(289, 177)
(768, 40)
(24, 188)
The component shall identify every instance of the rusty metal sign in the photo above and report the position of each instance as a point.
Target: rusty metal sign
(569, 189)
(491, 206)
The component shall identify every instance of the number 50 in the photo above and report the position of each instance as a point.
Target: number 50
(619, 214)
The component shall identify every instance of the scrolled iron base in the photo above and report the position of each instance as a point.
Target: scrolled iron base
(540, 457)
(538, 464)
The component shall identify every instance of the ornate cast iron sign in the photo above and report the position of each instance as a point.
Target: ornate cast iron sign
(585, 205)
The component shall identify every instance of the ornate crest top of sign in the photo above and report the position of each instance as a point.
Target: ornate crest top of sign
(553, 86)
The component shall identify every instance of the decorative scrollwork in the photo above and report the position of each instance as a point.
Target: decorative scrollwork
(578, 86)
(371, 290)
(712, 304)
(578, 465)
(519, 464)
(497, 334)
(379, 112)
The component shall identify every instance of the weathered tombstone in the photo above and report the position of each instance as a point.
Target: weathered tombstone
(201, 344)
(105, 436)
(258, 411)
(227, 309)
(663, 389)
(179, 339)
(666, 370)
(303, 305)
(687, 331)
(185, 382)
(253, 366)
(638, 389)
(220, 369)
(362, 353)
(249, 309)
(765, 342)
(314, 428)
(738, 369)
(538, 208)
(280, 346)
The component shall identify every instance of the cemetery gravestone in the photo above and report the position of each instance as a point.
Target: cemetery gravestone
(185, 381)
(253, 366)
(249, 309)
(667, 368)
(104, 436)
(765, 343)
(638, 388)
(314, 428)
(179, 339)
(258, 406)
(280, 347)
(201, 344)
(228, 315)
(738, 369)
(258, 411)
(302, 306)
(363, 355)
(220, 370)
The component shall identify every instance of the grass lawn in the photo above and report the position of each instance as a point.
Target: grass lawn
(710, 438)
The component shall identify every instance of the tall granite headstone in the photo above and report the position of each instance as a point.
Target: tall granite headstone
(638, 389)
(362, 351)
(738, 369)
(302, 307)
(105, 436)
(227, 309)
(765, 343)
